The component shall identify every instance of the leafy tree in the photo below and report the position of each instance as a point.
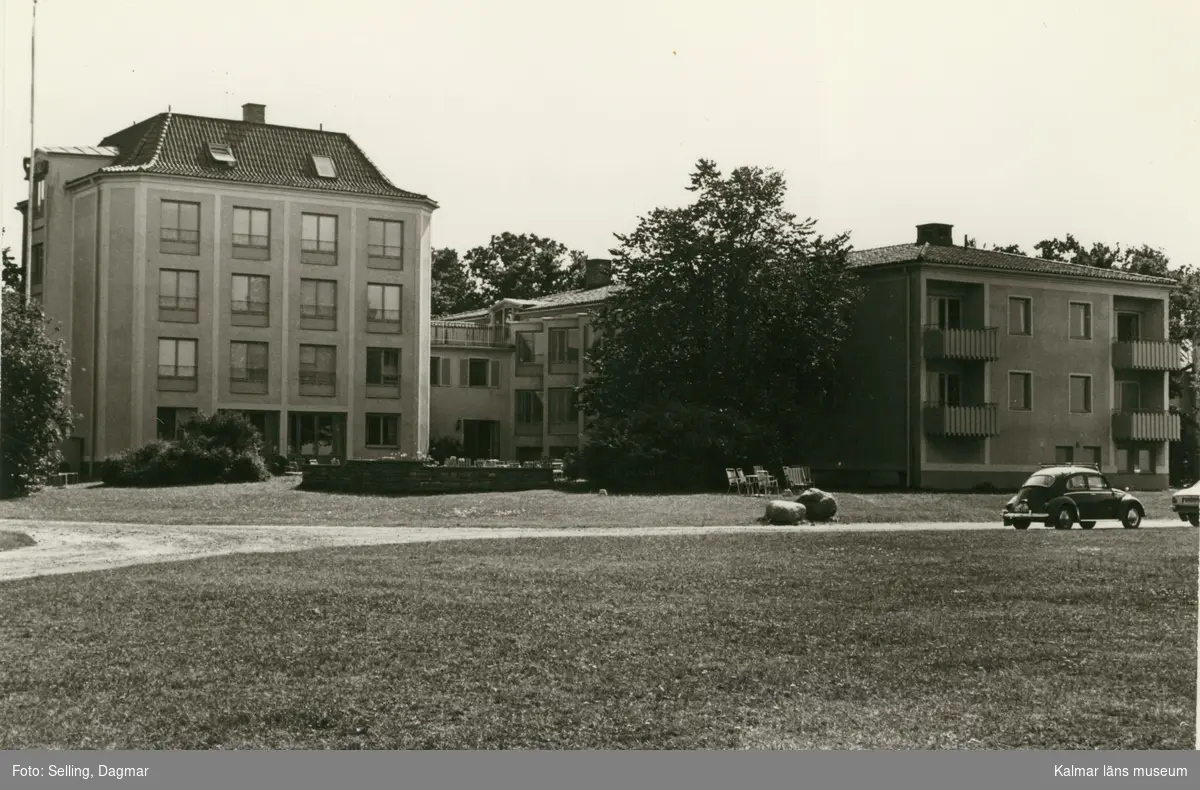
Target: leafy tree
(34, 375)
(724, 342)
(452, 287)
(13, 274)
(524, 267)
(1015, 249)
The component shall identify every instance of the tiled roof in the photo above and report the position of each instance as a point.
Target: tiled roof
(990, 259)
(583, 296)
(266, 154)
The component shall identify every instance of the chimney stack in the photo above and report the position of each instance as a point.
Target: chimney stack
(597, 273)
(936, 233)
(254, 113)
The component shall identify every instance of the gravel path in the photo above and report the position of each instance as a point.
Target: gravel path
(74, 547)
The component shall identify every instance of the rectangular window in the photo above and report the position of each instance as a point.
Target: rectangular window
(251, 227)
(1129, 327)
(179, 227)
(316, 434)
(1135, 460)
(251, 294)
(383, 307)
(946, 389)
(383, 367)
(439, 372)
(37, 268)
(562, 406)
(1081, 321)
(564, 345)
(1020, 391)
(178, 295)
(318, 233)
(1020, 315)
(383, 430)
(1081, 394)
(1129, 396)
(318, 369)
(477, 372)
(323, 166)
(247, 361)
(384, 238)
(1090, 455)
(1064, 454)
(39, 197)
(526, 349)
(945, 312)
(176, 364)
(318, 304)
(529, 407)
(171, 421)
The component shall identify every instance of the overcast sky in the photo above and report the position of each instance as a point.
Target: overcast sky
(1013, 121)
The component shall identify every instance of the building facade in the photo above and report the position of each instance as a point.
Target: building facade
(503, 379)
(972, 367)
(202, 264)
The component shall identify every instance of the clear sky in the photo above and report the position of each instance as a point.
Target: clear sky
(1014, 121)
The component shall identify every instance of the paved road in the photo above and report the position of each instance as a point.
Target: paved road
(74, 547)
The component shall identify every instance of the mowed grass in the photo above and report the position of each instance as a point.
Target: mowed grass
(994, 640)
(280, 502)
(10, 540)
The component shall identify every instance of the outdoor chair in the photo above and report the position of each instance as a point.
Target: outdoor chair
(749, 481)
(766, 481)
(734, 483)
(559, 472)
(799, 477)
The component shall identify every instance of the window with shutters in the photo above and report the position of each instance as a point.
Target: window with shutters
(439, 372)
(475, 372)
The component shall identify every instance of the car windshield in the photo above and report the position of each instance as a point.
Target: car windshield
(1038, 481)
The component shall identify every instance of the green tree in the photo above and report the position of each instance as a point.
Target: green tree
(524, 267)
(13, 274)
(724, 342)
(34, 375)
(452, 288)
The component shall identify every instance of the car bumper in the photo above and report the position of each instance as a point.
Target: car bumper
(1185, 510)
(1024, 518)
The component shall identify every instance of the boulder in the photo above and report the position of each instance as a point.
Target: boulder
(780, 511)
(821, 505)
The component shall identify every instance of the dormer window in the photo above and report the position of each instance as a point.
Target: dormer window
(323, 165)
(222, 154)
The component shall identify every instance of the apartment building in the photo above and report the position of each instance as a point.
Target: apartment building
(503, 379)
(971, 367)
(206, 264)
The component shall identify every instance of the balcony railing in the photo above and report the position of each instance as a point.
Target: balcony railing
(451, 333)
(1145, 425)
(970, 344)
(964, 421)
(1148, 355)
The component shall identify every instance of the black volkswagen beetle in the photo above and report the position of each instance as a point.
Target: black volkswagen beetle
(1059, 496)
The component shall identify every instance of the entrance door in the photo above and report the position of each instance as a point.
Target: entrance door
(481, 439)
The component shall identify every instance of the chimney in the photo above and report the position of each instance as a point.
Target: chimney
(254, 113)
(936, 233)
(597, 272)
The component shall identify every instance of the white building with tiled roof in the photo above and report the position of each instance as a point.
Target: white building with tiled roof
(204, 264)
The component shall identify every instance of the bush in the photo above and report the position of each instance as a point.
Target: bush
(223, 448)
(278, 465)
(443, 447)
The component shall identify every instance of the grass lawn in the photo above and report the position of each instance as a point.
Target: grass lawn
(1043, 640)
(279, 502)
(14, 540)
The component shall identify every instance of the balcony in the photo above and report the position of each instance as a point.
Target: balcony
(1148, 355)
(967, 344)
(1145, 425)
(961, 421)
(468, 335)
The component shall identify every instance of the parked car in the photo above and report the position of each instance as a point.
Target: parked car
(1186, 503)
(1059, 496)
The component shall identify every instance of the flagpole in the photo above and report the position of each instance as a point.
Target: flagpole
(32, 149)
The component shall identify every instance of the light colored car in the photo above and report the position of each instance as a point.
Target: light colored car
(1186, 503)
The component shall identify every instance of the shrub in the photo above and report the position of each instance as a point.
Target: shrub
(223, 448)
(443, 447)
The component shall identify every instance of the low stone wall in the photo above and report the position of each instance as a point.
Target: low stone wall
(386, 476)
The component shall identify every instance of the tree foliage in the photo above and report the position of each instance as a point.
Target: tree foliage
(453, 291)
(35, 372)
(12, 274)
(220, 448)
(523, 267)
(723, 344)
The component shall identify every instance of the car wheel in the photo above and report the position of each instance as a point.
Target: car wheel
(1132, 517)
(1087, 524)
(1021, 524)
(1062, 518)
(1195, 520)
